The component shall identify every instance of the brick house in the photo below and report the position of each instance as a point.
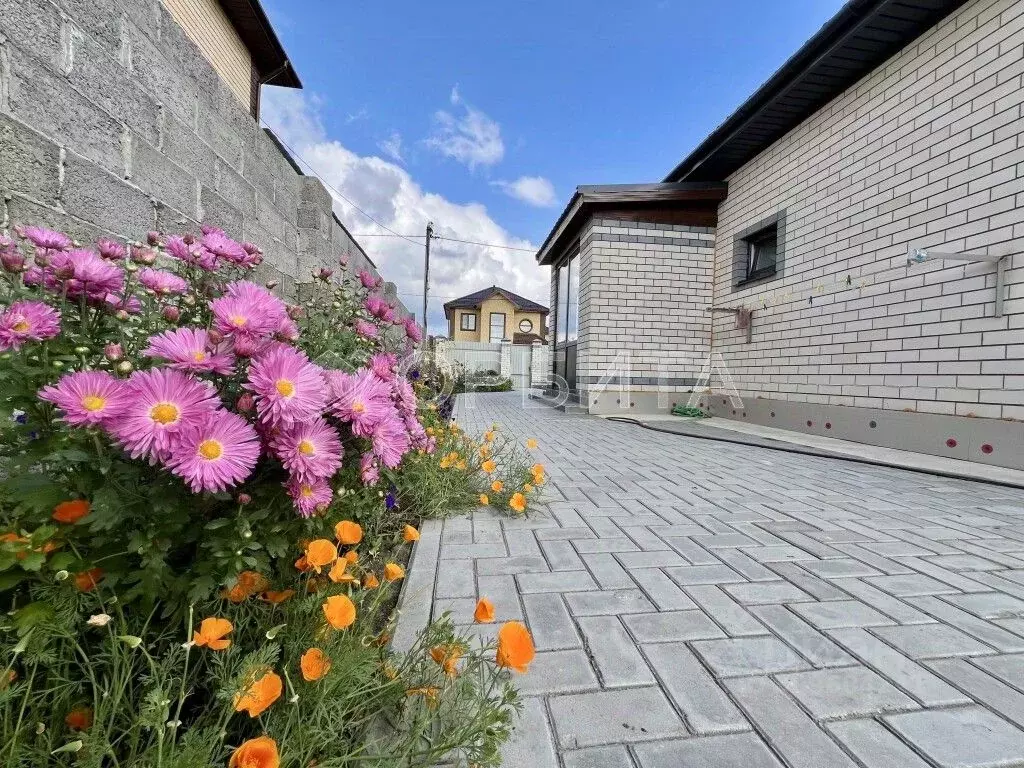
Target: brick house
(837, 241)
(494, 315)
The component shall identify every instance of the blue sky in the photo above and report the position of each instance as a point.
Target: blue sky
(485, 117)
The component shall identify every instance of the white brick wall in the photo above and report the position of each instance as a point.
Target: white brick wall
(928, 150)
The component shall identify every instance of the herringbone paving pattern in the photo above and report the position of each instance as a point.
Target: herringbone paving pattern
(703, 604)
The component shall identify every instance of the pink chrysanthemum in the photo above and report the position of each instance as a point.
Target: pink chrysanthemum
(27, 321)
(361, 399)
(129, 304)
(383, 365)
(216, 451)
(287, 330)
(46, 239)
(287, 386)
(369, 472)
(309, 450)
(390, 440)
(87, 272)
(223, 247)
(164, 283)
(162, 403)
(310, 497)
(248, 308)
(405, 396)
(413, 331)
(375, 305)
(367, 279)
(111, 250)
(417, 434)
(365, 329)
(189, 349)
(88, 398)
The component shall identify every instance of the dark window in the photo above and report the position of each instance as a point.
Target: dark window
(497, 327)
(762, 253)
(468, 322)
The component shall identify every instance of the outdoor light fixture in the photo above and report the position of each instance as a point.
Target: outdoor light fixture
(921, 255)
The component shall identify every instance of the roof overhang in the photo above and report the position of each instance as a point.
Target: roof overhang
(858, 39)
(589, 200)
(268, 55)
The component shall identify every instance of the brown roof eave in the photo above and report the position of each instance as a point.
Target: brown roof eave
(268, 55)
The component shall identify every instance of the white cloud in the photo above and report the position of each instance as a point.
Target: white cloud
(470, 137)
(392, 147)
(533, 190)
(390, 194)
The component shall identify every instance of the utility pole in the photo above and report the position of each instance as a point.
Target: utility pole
(426, 278)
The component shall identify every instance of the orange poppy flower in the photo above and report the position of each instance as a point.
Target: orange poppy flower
(351, 557)
(9, 678)
(321, 552)
(497, 486)
(302, 564)
(79, 719)
(340, 611)
(338, 575)
(484, 500)
(212, 633)
(260, 752)
(71, 511)
(461, 465)
(314, 665)
(278, 597)
(348, 533)
(527, 488)
(370, 581)
(86, 581)
(515, 646)
(485, 451)
(429, 694)
(518, 502)
(488, 435)
(489, 466)
(393, 572)
(531, 443)
(447, 657)
(484, 613)
(247, 585)
(410, 534)
(260, 694)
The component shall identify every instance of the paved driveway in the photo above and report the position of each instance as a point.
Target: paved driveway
(703, 604)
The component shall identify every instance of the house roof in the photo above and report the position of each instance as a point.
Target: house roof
(592, 198)
(863, 35)
(268, 55)
(473, 300)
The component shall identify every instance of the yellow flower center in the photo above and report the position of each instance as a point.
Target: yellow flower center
(164, 413)
(358, 406)
(93, 402)
(306, 448)
(285, 388)
(21, 326)
(198, 356)
(238, 321)
(211, 449)
(306, 491)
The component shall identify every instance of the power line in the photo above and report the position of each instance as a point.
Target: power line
(449, 239)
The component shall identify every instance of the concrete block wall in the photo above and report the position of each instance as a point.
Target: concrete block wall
(928, 151)
(645, 292)
(112, 123)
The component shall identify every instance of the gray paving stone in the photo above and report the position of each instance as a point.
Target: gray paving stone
(466, 551)
(841, 613)
(671, 626)
(498, 566)
(455, 578)
(931, 641)
(989, 605)
(559, 581)
(745, 566)
(703, 574)
(607, 571)
(659, 559)
(810, 643)
(911, 585)
(785, 725)
(1009, 669)
(968, 737)
(613, 544)
(732, 617)
(561, 555)
(983, 687)
(875, 746)
(609, 603)
(736, 657)
(784, 553)
(913, 678)
(839, 568)
(616, 656)
(532, 742)
(694, 554)
(558, 672)
(845, 692)
(598, 757)
(893, 607)
(743, 750)
(613, 717)
(768, 593)
(550, 623)
(662, 591)
(522, 543)
(981, 629)
(500, 590)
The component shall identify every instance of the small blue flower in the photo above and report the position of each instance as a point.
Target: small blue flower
(390, 502)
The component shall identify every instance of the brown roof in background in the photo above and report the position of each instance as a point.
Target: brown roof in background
(268, 55)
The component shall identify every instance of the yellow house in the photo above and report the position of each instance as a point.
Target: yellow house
(495, 314)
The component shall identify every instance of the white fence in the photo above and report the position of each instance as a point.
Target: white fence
(519, 362)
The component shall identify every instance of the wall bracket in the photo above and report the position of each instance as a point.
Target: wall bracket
(921, 255)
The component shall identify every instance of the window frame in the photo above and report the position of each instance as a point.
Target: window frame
(745, 270)
(529, 325)
(490, 327)
(467, 316)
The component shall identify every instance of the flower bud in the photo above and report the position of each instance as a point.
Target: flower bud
(214, 336)
(324, 273)
(81, 350)
(124, 367)
(188, 238)
(121, 314)
(189, 300)
(113, 352)
(245, 405)
(271, 284)
(12, 261)
(58, 364)
(153, 238)
(130, 640)
(244, 498)
(170, 313)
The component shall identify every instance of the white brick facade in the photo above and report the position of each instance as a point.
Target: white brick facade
(928, 150)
